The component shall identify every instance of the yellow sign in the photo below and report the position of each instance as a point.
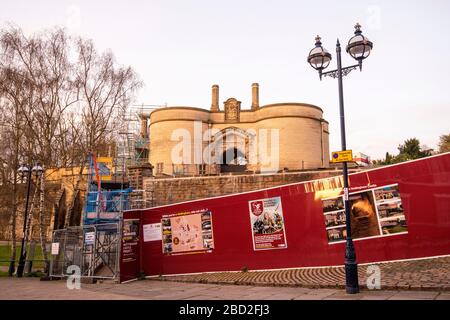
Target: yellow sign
(105, 166)
(341, 156)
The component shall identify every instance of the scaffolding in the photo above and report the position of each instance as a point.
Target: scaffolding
(133, 144)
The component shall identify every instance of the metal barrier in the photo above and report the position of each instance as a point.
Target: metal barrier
(95, 249)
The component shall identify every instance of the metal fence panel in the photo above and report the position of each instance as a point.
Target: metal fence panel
(95, 249)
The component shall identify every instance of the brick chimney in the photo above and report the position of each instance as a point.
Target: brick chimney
(255, 96)
(215, 98)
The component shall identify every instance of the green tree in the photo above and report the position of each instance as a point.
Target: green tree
(388, 159)
(410, 150)
(444, 143)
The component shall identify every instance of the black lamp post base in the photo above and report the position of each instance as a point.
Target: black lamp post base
(12, 268)
(352, 290)
(351, 275)
(20, 269)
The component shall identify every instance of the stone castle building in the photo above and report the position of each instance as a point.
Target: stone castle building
(236, 139)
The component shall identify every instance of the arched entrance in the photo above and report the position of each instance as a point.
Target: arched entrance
(232, 149)
(233, 160)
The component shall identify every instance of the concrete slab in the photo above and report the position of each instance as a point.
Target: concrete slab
(443, 296)
(414, 295)
(33, 289)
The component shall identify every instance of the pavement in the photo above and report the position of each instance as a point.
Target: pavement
(420, 274)
(421, 279)
(33, 289)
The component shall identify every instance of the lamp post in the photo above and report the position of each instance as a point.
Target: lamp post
(25, 172)
(359, 48)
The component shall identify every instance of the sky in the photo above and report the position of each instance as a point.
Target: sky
(180, 48)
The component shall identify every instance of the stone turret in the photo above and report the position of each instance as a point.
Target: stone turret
(255, 96)
(215, 98)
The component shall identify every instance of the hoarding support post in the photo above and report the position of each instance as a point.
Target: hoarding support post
(351, 266)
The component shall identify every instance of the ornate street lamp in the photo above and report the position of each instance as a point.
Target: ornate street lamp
(25, 172)
(359, 47)
(318, 57)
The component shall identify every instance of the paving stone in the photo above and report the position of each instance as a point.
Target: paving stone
(414, 295)
(443, 296)
(293, 291)
(257, 296)
(200, 297)
(342, 297)
(307, 297)
(429, 274)
(376, 294)
(319, 294)
(372, 297)
(32, 288)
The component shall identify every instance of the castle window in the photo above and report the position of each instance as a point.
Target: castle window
(201, 169)
(159, 167)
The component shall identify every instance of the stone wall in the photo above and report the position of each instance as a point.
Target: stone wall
(172, 190)
(136, 174)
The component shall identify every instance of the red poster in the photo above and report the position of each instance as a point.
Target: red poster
(266, 217)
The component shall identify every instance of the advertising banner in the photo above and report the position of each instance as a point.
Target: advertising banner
(267, 223)
(130, 240)
(374, 212)
(187, 232)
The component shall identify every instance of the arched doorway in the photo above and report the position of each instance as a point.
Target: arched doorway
(233, 160)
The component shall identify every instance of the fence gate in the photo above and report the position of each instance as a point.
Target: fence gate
(94, 249)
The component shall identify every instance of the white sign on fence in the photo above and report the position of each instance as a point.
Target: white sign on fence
(89, 237)
(152, 232)
(55, 248)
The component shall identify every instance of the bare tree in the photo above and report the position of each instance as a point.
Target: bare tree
(105, 91)
(38, 68)
(43, 61)
(59, 100)
(12, 98)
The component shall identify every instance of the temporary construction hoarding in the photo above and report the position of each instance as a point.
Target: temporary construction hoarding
(398, 212)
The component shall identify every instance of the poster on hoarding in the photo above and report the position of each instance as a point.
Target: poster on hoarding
(187, 232)
(374, 212)
(152, 232)
(267, 223)
(130, 240)
(390, 210)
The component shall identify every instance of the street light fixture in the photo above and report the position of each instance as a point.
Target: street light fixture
(25, 172)
(359, 47)
(318, 57)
